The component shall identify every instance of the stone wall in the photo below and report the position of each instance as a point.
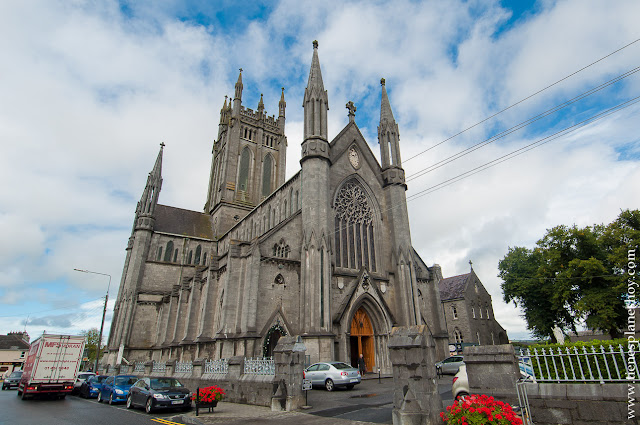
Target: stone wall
(281, 391)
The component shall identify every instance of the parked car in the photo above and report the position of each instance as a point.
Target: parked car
(12, 380)
(450, 365)
(91, 387)
(460, 384)
(82, 376)
(116, 388)
(332, 375)
(159, 393)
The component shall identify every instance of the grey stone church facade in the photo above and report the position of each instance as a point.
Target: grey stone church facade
(326, 254)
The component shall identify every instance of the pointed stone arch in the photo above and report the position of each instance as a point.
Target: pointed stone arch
(368, 326)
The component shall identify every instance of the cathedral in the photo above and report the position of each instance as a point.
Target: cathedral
(326, 254)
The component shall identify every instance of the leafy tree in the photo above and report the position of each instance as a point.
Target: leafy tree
(92, 343)
(572, 275)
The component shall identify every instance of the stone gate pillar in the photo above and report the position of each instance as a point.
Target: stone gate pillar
(416, 400)
(493, 370)
(287, 383)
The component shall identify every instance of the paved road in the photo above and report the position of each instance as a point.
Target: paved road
(73, 410)
(369, 402)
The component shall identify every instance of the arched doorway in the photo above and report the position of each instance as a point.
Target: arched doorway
(271, 339)
(361, 339)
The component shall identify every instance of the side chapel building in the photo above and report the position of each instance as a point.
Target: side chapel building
(326, 254)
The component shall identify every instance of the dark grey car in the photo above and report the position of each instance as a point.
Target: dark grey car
(333, 374)
(159, 393)
(12, 380)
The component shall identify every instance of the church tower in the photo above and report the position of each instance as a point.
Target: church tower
(394, 189)
(135, 260)
(316, 251)
(249, 160)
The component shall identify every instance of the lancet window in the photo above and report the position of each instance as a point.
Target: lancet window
(354, 229)
(281, 249)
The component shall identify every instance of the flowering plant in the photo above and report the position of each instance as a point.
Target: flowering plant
(210, 394)
(480, 409)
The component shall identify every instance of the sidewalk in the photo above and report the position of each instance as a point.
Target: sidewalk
(234, 413)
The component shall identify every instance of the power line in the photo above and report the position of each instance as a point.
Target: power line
(524, 149)
(53, 309)
(520, 101)
(519, 126)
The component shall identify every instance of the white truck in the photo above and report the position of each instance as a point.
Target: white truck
(52, 365)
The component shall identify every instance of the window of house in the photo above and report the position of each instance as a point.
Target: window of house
(168, 251)
(478, 335)
(457, 335)
(480, 311)
(473, 312)
(243, 178)
(189, 257)
(354, 228)
(454, 312)
(196, 261)
(266, 176)
(175, 255)
(487, 311)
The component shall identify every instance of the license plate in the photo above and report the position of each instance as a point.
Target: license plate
(354, 380)
(177, 402)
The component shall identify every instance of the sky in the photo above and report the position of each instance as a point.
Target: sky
(89, 89)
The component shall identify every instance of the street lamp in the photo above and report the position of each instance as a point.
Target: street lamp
(104, 311)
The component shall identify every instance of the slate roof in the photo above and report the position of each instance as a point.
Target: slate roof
(183, 222)
(8, 342)
(452, 288)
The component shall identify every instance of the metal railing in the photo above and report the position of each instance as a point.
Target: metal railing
(596, 364)
(159, 367)
(216, 366)
(259, 366)
(183, 367)
(139, 367)
(125, 368)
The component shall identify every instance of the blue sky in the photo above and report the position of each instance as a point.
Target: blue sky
(90, 89)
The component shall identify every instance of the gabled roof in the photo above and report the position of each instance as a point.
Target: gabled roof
(183, 222)
(452, 288)
(8, 342)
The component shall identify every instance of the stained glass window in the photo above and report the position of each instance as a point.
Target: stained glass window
(243, 179)
(266, 176)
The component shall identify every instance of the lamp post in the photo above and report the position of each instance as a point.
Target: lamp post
(104, 311)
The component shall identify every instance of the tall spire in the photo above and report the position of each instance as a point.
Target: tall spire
(239, 86)
(316, 102)
(282, 104)
(149, 199)
(260, 105)
(388, 134)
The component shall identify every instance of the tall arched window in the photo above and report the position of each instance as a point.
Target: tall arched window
(198, 252)
(168, 251)
(243, 178)
(457, 335)
(354, 231)
(189, 257)
(159, 253)
(266, 176)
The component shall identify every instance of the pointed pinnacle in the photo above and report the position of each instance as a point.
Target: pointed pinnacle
(385, 106)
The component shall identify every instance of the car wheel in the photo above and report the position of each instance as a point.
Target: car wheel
(350, 386)
(186, 408)
(462, 395)
(149, 406)
(111, 398)
(329, 385)
(100, 397)
(129, 403)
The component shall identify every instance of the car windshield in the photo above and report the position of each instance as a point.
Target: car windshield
(85, 375)
(164, 383)
(340, 366)
(15, 375)
(100, 378)
(126, 380)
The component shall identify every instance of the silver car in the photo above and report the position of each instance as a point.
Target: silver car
(333, 374)
(450, 365)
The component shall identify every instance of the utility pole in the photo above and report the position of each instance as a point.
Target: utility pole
(104, 312)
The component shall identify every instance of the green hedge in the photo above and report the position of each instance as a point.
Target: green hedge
(596, 362)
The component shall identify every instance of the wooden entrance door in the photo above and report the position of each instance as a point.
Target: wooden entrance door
(362, 338)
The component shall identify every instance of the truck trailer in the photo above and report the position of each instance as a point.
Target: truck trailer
(52, 365)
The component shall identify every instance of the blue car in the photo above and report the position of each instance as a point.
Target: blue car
(92, 386)
(116, 388)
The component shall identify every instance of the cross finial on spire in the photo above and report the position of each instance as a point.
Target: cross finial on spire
(382, 81)
(352, 111)
(315, 44)
(162, 145)
(240, 69)
(471, 265)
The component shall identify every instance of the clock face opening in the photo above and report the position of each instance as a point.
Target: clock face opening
(354, 158)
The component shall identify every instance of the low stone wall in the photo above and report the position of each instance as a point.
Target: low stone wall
(281, 391)
(588, 404)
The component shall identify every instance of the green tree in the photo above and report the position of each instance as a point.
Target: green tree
(92, 343)
(573, 275)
